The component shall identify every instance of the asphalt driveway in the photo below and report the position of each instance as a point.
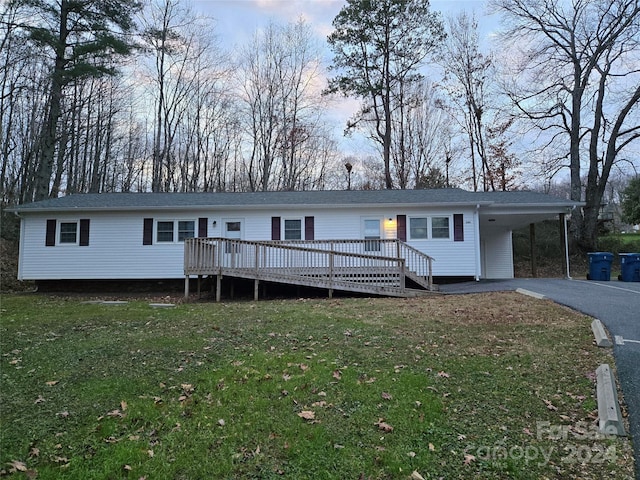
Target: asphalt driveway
(616, 304)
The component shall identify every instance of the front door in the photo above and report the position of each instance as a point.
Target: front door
(232, 229)
(372, 235)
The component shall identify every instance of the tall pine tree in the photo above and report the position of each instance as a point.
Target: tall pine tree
(81, 38)
(379, 47)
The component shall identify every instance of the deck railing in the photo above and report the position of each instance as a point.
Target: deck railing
(322, 263)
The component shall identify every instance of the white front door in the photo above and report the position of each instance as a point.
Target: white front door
(372, 234)
(232, 229)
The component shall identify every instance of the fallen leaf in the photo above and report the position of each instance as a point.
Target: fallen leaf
(432, 448)
(550, 405)
(52, 382)
(127, 468)
(416, 476)
(34, 452)
(307, 415)
(221, 422)
(468, 459)
(386, 396)
(443, 374)
(38, 400)
(286, 377)
(462, 437)
(123, 405)
(385, 427)
(337, 374)
(150, 453)
(18, 465)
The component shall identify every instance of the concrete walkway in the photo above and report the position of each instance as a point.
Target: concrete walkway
(616, 304)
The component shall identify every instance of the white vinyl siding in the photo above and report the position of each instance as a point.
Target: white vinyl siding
(117, 251)
(497, 254)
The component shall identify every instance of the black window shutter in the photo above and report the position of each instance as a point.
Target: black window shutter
(275, 228)
(50, 240)
(147, 235)
(309, 228)
(401, 222)
(458, 227)
(202, 227)
(84, 232)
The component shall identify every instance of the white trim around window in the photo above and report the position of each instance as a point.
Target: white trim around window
(292, 228)
(68, 232)
(168, 231)
(430, 227)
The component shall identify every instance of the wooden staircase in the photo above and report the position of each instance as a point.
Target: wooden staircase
(377, 267)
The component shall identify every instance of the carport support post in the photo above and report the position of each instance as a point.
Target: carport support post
(532, 248)
(565, 244)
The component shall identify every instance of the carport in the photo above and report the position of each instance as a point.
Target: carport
(498, 219)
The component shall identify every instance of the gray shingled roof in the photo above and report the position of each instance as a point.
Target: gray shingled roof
(145, 201)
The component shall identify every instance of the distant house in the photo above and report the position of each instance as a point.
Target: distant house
(143, 235)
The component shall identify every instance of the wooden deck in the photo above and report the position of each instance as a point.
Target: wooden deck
(379, 267)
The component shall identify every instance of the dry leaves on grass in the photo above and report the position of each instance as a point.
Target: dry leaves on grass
(307, 415)
(384, 426)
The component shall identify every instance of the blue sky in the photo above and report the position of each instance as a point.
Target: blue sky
(238, 19)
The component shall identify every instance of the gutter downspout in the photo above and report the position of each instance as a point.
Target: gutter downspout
(476, 221)
(20, 245)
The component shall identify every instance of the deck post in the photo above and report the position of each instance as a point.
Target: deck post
(331, 273)
(199, 281)
(256, 289)
(402, 277)
(218, 287)
(186, 286)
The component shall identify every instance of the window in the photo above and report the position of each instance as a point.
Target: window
(68, 232)
(165, 231)
(293, 229)
(440, 227)
(418, 228)
(186, 229)
(372, 235)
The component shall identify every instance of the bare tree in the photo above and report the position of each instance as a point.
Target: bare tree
(282, 114)
(579, 81)
(420, 135)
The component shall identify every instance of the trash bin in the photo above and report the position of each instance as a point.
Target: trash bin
(600, 266)
(629, 267)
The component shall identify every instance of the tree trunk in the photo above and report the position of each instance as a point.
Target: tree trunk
(47, 143)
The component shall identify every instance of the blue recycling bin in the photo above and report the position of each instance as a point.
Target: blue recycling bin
(600, 266)
(629, 267)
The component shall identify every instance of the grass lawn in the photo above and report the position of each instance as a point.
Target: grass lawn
(479, 386)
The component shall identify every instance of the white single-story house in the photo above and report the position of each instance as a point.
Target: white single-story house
(127, 236)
